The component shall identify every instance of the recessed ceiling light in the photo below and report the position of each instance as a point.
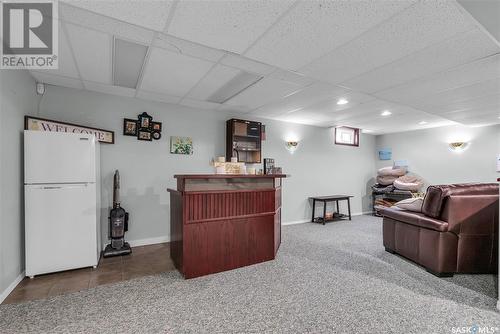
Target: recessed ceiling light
(342, 101)
(386, 113)
(422, 123)
(367, 131)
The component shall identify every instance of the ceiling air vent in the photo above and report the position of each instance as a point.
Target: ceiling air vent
(234, 86)
(128, 61)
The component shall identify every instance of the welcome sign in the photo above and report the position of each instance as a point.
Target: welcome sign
(41, 124)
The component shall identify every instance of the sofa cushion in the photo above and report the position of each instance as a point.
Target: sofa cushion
(411, 204)
(415, 218)
(436, 195)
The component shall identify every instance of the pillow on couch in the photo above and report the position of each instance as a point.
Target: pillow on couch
(411, 204)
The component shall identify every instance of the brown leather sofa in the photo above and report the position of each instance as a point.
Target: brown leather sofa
(457, 231)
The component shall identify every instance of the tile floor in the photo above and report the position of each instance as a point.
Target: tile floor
(144, 260)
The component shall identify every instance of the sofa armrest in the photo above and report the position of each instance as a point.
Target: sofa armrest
(471, 214)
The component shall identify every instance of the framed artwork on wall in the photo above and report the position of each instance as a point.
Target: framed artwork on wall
(145, 120)
(345, 135)
(129, 127)
(156, 126)
(144, 135)
(181, 145)
(385, 154)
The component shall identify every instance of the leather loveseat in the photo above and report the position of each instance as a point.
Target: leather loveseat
(456, 232)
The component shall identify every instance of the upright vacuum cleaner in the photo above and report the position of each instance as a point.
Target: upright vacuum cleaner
(118, 224)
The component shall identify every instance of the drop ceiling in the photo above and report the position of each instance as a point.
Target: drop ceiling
(430, 63)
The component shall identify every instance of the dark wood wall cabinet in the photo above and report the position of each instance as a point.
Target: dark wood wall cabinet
(223, 222)
(243, 140)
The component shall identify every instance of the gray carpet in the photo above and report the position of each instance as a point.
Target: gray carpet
(327, 279)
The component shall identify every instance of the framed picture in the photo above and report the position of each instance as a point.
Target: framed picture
(144, 135)
(385, 154)
(346, 136)
(156, 135)
(156, 126)
(129, 127)
(145, 120)
(181, 145)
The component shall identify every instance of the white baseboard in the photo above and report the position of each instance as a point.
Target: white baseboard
(295, 222)
(149, 241)
(11, 287)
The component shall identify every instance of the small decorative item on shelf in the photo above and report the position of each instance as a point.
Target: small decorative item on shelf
(268, 165)
(143, 128)
(277, 170)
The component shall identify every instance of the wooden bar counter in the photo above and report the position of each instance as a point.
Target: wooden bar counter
(223, 222)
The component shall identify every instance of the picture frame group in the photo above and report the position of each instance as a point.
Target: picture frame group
(144, 128)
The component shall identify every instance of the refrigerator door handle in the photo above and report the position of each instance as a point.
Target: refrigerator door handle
(68, 186)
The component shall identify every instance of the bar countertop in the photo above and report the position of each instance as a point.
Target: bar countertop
(228, 176)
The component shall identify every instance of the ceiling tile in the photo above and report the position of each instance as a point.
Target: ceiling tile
(461, 94)
(92, 51)
(293, 77)
(148, 14)
(312, 94)
(246, 64)
(199, 104)
(232, 109)
(109, 89)
(225, 24)
(218, 76)
(414, 92)
(263, 92)
(418, 27)
(67, 66)
(458, 50)
(184, 47)
(104, 24)
(467, 115)
(313, 28)
(57, 80)
(172, 73)
(480, 102)
(150, 96)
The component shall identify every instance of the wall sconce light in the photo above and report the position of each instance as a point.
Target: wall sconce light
(458, 146)
(292, 146)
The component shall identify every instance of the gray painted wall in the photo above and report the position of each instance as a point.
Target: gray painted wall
(17, 98)
(318, 167)
(429, 156)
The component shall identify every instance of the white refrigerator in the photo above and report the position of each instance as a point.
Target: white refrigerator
(61, 198)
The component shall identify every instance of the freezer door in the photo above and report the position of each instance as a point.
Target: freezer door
(55, 157)
(61, 231)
